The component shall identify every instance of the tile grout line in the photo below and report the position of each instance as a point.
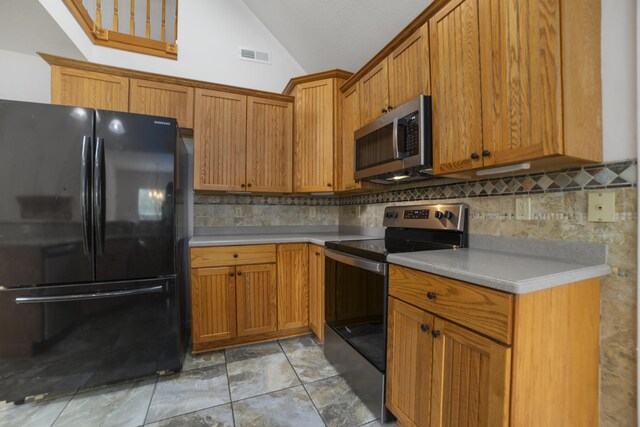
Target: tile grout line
(153, 393)
(226, 371)
(65, 407)
(302, 384)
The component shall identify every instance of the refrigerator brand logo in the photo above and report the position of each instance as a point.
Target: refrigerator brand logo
(157, 122)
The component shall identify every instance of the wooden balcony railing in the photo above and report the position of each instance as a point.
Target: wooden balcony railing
(89, 14)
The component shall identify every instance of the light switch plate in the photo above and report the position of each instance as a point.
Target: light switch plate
(602, 206)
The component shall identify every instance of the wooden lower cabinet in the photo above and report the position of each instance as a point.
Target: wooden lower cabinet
(441, 373)
(293, 285)
(470, 378)
(409, 360)
(213, 304)
(316, 290)
(256, 299)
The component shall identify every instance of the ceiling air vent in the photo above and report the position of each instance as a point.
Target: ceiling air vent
(254, 55)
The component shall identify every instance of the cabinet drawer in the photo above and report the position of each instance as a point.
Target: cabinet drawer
(232, 255)
(480, 309)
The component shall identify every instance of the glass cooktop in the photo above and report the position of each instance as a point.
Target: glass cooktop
(378, 249)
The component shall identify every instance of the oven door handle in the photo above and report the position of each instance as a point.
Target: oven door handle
(355, 261)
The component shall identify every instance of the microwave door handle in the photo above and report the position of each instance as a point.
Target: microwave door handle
(396, 148)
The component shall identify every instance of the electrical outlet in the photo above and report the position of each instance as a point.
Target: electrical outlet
(601, 207)
(523, 208)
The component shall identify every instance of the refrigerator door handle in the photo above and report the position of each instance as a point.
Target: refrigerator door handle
(85, 194)
(97, 295)
(98, 195)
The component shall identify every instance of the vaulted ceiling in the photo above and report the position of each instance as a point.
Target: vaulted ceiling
(327, 34)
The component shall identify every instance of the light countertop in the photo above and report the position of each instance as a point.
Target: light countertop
(505, 271)
(258, 239)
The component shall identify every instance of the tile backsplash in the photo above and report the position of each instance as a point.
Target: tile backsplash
(559, 212)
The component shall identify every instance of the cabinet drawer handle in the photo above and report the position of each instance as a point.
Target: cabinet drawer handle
(475, 156)
(431, 295)
(231, 274)
(435, 333)
(235, 255)
(424, 327)
(239, 273)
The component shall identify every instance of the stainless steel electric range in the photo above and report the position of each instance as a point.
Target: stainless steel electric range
(356, 290)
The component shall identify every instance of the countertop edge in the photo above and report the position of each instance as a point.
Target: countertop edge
(514, 287)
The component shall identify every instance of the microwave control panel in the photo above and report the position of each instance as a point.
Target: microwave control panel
(412, 134)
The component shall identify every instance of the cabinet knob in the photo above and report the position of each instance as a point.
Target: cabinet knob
(384, 110)
(486, 153)
(317, 253)
(328, 184)
(249, 185)
(431, 295)
(235, 255)
(474, 156)
(242, 185)
(239, 273)
(435, 333)
(424, 327)
(389, 107)
(231, 274)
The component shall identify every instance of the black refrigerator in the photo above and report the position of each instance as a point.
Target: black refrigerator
(92, 236)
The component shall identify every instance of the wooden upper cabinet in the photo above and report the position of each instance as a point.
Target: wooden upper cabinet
(470, 379)
(350, 123)
(293, 285)
(409, 68)
(220, 141)
(523, 96)
(213, 304)
(89, 89)
(374, 93)
(256, 299)
(409, 359)
(316, 290)
(269, 145)
(314, 136)
(162, 99)
(455, 87)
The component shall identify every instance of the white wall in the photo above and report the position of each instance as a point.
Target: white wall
(24, 77)
(209, 34)
(619, 62)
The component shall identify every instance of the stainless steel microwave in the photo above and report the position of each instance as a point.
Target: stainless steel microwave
(396, 146)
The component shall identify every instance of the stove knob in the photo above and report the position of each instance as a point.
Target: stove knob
(439, 215)
(388, 215)
(395, 215)
(448, 215)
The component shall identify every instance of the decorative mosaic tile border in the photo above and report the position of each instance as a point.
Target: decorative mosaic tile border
(592, 177)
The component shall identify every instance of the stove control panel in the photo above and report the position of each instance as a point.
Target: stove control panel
(434, 216)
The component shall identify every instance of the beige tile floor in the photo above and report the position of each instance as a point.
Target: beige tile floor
(283, 383)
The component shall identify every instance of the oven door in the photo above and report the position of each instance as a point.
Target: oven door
(355, 303)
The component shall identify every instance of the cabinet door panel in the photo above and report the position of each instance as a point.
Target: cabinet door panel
(409, 358)
(219, 141)
(409, 68)
(455, 85)
(374, 93)
(213, 304)
(314, 106)
(316, 290)
(89, 89)
(526, 86)
(269, 145)
(163, 99)
(470, 379)
(293, 285)
(350, 123)
(256, 299)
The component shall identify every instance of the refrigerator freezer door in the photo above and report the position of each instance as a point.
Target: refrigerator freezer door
(45, 223)
(60, 338)
(134, 192)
